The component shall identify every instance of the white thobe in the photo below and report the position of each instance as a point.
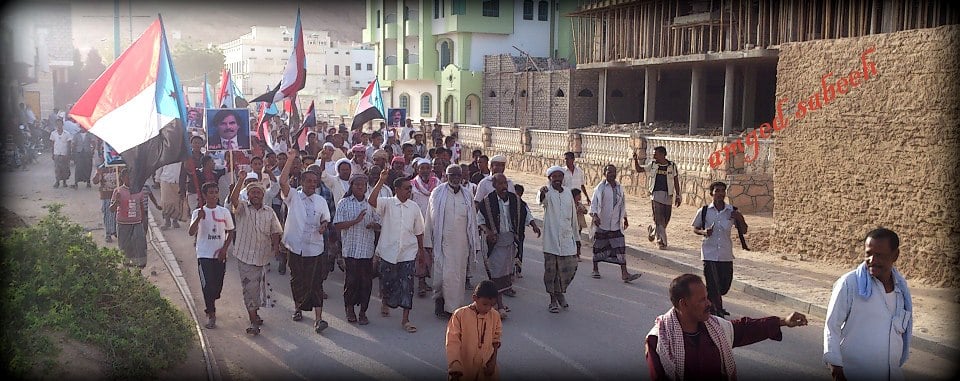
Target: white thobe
(863, 335)
(560, 226)
(450, 229)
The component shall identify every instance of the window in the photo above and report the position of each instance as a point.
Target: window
(523, 93)
(425, 104)
(406, 13)
(336, 70)
(585, 93)
(446, 53)
(284, 50)
(325, 71)
(404, 101)
(253, 49)
(543, 11)
(336, 52)
(269, 50)
(459, 7)
(346, 70)
(436, 9)
(491, 8)
(528, 9)
(492, 94)
(378, 18)
(406, 55)
(357, 67)
(347, 52)
(559, 93)
(369, 67)
(286, 38)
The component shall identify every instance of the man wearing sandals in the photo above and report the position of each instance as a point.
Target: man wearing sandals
(357, 224)
(400, 246)
(451, 237)
(607, 210)
(560, 238)
(212, 224)
(502, 217)
(258, 237)
(307, 218)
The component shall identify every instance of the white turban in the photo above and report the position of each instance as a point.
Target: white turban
(328, 144)
(252, 175)
(341, 161)
(422, 161)
(555, 168)
(498, 159)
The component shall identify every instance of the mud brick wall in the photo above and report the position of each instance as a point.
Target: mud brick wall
(883, 153)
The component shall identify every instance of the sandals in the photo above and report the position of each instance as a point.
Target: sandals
(553, 308)
(363, 320)
(595, 275)
(563, 301)
(631, 278)
(650, 231)
(253, 329)
(409, 327)
(297, 316)
(384, 311)
(510, 292)
(503, 313)
(211, 323)
(422, 292)
(320, 325)
(351, 315)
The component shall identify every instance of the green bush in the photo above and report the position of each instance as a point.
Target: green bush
(56, 278)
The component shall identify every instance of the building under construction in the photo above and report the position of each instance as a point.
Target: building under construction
(714, 62)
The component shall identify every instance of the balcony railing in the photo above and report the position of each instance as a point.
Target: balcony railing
(506, 139)
(552, 143)
(606, 148)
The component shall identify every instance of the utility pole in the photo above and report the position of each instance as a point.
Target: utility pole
(116, 29)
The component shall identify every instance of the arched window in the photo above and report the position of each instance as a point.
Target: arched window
(528, 9)
(425, 104)
(616, 93)
(543, 11)
(523, 93)
(493, 94)
(405, 101)
(585, 93)
(446, 54)
(559, 93)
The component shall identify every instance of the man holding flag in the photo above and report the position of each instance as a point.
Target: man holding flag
(369, 107)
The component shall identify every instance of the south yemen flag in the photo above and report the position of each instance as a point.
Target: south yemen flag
(294, 74)
(137, 107)
(370, 106)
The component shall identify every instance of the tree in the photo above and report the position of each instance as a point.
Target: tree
(192, 63)
(93, 66)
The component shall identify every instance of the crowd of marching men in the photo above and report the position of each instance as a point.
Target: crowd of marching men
(408, 213)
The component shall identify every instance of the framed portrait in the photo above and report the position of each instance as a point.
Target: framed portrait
(111, 158)
(396, 117)
(228, 129)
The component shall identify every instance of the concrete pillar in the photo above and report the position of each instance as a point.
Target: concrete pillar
(650, 94)
(486, 136)
(749, 97)
(728, 81)
(602, 99)
(696, 92)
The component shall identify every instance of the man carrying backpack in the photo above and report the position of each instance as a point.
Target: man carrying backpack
(714, 222)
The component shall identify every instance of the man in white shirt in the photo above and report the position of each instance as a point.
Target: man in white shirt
(573, 177)
(869, 322)
(212, 224)
(61, 154)
(400, 246)
(258, 238)
(607, 211)
(498, 164)
(560, 238)
(714, 224)
(307, 218)
(357, 223)
(169, 178)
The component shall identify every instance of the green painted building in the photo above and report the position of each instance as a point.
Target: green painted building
(429, 53)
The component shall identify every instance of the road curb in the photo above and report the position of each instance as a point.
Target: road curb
(773, 296)
(159, 243)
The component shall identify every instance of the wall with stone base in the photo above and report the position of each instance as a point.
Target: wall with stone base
(884, 153)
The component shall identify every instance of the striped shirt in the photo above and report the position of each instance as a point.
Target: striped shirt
(358, 239)
(255, 228)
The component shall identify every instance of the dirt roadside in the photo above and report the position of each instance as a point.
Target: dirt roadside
(25, 193)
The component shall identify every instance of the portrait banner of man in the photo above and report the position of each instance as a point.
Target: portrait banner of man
(111, 158)
(228, 129)
(396, 117)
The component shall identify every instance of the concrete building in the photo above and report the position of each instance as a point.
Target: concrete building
(713, 64)
(258, 58)
(42, 54)
(430, 53)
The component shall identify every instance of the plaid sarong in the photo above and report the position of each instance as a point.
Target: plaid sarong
(609, 246)
(558, 272)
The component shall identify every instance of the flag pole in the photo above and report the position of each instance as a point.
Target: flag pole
(230, 166)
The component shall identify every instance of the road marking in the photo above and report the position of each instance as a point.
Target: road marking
(282, 344)
(561, 356)
(616, 298)
(269, 356)
(357, 361)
